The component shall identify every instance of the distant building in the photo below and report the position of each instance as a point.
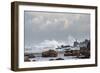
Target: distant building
(84, 43)
(81, 44)
(76, 43)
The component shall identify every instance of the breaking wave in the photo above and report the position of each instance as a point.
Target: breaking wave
(55, 43)
(52, 44)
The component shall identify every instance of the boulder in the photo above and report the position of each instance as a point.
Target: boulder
(68, 53)
(49, 53)
(31, 56)
(26, 59)
(76, 52)
(85, 51)
(51, 59)
(33, 60)
(59, 59)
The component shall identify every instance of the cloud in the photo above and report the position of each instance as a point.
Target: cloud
(66, 24)
(46, 25)
(47, 21)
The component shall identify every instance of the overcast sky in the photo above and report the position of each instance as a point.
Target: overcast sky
(41, 26)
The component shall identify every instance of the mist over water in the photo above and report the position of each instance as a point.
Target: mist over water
(52, 44)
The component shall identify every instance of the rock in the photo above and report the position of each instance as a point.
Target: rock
(85, 51)
(31, 56)
(26, 58)
(76, 52)
(49, 53)
(67, 54)
(33, 60)
(59, 59)
(51, 59)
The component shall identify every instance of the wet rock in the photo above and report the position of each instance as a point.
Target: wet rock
(49, 53)
(85, 51)
(59, 59)
(33, 60)
(51, 59)
(76, 52)
(68, 54)
(26, 59)
(31, 56)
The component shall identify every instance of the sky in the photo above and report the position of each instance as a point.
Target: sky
(45, 28)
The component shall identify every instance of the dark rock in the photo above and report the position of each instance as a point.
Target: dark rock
(67, 54)
(76, 52)
(85, 51)
(27, 60)
(49, 53)
(31, 56)
(33, 60)
(59, 59)
(26, 54)
(51, 59)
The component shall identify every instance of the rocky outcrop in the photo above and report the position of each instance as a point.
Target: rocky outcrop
(76, 53)
(72, 53)
(85, 52)
(68, 53)
(31, 56)
(49, 53)
(59, 59)
(26, 59)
